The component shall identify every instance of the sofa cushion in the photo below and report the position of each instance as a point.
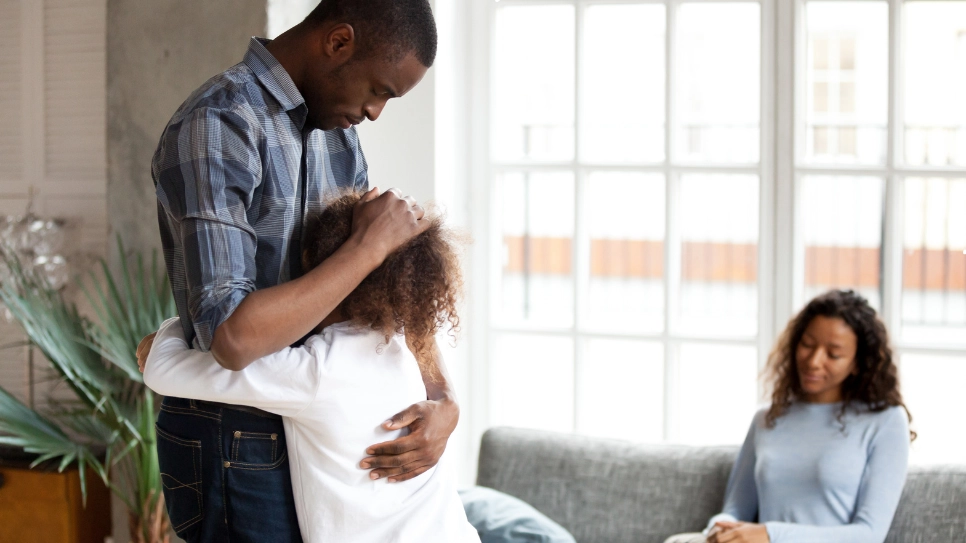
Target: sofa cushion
(501, 518)
(608, 491)
(932, 508)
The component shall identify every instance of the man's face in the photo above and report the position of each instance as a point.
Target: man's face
(358, 90)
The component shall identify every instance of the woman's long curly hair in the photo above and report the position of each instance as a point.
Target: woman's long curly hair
(875, 384)
(414, 292)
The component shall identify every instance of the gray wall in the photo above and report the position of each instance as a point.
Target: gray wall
(158, 52)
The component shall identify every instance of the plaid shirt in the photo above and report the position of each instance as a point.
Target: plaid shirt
(236, 172)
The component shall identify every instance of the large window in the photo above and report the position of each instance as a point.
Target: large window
(626, 150)
(637, 263)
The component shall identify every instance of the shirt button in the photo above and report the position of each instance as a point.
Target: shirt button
(274, 437)
(227, 464)
(237, 434)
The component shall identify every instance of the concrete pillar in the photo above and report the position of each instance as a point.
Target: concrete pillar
(157, 53)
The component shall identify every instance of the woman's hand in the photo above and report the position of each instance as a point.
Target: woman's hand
(738, 532)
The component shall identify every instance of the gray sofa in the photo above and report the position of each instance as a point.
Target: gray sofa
(607, 491)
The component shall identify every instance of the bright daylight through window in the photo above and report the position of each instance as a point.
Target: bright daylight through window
(634, 258)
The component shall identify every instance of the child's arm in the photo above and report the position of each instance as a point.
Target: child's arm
(283, 383)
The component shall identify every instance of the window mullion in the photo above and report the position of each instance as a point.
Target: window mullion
(767, 249)
(892, 220)
(672, 251)
(579, 259)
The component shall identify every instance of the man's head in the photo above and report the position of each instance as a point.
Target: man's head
(358, 54)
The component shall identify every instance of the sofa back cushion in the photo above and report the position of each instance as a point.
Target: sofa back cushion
(606, 491)
(933, 506)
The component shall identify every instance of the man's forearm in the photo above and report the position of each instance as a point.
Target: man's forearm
(270, 319)
(438, 387)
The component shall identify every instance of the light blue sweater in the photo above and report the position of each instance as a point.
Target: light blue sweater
(809, 480)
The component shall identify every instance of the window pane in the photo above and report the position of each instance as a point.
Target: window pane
(532, 382)
(718, 393)
(934, 67)
(625, 220)
(536, 281)
(621, 390)
(719, 82)
(719, 255)
(842, 232)
(533, 83)
(931, 387)
(846, 82)
(934, 263)
(622, 102)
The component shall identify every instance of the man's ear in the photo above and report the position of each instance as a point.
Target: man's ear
(339, 42)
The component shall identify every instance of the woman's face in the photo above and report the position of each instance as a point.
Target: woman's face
(825, 357)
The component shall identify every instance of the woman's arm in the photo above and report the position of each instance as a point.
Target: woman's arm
(878, 497)
(741, 495)
(283, 383)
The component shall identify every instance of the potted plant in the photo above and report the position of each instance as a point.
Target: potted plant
(108, 427)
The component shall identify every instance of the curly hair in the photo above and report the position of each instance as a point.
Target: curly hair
(876, 381)
(414, 292)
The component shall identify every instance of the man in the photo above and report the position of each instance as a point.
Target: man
(238, 167)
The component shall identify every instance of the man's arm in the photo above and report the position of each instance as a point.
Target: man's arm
(430, 425)
(271, 319)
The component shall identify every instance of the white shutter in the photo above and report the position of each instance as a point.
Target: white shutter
(75, 80)
(13, 357)
(53, 136)
(11, 94)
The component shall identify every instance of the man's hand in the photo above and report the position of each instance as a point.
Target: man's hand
(144, 348)
(738, 532)
(386, 221)
(430, 425)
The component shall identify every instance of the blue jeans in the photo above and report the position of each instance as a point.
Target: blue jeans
(225, 474)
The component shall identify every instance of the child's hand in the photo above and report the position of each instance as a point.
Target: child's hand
(144, 348)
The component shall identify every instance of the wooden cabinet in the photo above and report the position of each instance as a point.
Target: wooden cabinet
(46, 507)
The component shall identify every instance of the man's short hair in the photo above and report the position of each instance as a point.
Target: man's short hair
(389, 27)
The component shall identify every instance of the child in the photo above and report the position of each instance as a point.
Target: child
(367, 359)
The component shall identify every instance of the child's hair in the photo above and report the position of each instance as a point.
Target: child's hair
(416, 289)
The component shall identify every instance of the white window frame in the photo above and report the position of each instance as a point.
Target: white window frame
(780, 244)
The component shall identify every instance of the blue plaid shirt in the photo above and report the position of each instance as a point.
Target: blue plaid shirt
(236, 172)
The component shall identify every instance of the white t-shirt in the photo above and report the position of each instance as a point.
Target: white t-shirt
(333, 393)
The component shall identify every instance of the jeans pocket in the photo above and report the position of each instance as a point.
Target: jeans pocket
(180, 463)
(256, 450)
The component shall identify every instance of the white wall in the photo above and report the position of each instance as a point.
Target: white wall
(400, 145)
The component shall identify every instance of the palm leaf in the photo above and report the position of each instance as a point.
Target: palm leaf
(113, 411)
(23, 427)
(129, 313)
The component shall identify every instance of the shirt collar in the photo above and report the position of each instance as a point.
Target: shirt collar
(275, 79)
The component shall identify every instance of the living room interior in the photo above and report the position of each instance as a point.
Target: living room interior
(651, 190)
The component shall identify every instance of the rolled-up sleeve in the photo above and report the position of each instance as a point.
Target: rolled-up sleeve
(206, 172)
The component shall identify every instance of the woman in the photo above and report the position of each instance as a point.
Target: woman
(826, 462)
(367, 359)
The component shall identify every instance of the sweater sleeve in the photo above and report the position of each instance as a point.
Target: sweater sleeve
(741, 495)
(878, 496)
(284, 383)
